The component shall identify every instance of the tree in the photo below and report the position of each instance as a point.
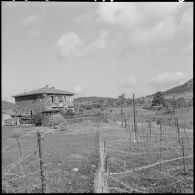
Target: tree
(121, 99)
(158, 99)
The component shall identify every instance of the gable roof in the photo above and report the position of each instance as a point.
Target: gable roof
(45, 90)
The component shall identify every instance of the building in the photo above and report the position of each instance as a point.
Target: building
(42, 99)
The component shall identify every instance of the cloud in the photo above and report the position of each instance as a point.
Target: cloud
(28, 20)
(132, 14)
(163, 31)
(71, 45)
(118, 13)
(168, 80)
(132, 81)
(79, 90)
(34, 31)
(148, 25)
(33, 21)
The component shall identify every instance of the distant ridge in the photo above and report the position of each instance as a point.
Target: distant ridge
(92, 99)
(7, 105)
(186, 87)
(184, 90)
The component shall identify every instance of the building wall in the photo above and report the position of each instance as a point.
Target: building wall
(52, 119)
(38, 103)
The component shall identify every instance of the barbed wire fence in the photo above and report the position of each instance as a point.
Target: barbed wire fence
(148, 141)
(28, 173)
(125, 164)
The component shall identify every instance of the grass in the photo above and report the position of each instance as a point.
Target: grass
(69, 148)
(143, 153)
(76, 146)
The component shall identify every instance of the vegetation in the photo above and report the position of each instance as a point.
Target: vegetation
(158, 99)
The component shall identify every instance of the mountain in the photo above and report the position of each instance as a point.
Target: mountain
(185, 90)
(186, 87)
(7, 105)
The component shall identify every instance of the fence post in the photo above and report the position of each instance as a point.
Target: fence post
(147, 142)
(186, 136)
(183, 159)
(121, 115)
(178, 131)
(160, 144)
(134, 120)
(43, 184)
(129, 136)
(150, 127)
(100, 180)
(22, 165)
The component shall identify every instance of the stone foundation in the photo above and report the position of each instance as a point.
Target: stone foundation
(53, 119)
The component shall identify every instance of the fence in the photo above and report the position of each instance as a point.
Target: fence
(137, 157)
(44, 156)
(130, 161)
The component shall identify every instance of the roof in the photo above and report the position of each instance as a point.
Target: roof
(45, 90)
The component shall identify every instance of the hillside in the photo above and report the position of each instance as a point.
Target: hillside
(92, 99)
(185, 90)
(186, 87)
(7, 105)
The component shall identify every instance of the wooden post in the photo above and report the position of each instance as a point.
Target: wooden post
(41, 163)
(125, 123)
(121, 114)
(134, 120)
(104, 145)
(100, 180)
(161, 131)
(150, 127)
(21, 165)
(106, 163)
(130, 136)
(184, 167)
(178, 132)
(155, 135)
(160, 144)
(142, 129)
(18, 121)
(186, 136)
(147, 142)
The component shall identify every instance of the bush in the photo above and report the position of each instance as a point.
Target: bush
(158, 99)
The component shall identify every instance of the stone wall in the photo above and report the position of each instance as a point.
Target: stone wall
(52, 119)
(39, 103)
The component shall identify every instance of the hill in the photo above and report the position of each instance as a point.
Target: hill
(7, 105)
(186, 87)
(92, 99)
(185, 90)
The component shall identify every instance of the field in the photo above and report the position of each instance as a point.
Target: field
(71, 147)
(150, 159)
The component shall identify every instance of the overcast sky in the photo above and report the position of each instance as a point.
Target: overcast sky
(96, 49)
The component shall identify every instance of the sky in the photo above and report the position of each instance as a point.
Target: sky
(96, 49)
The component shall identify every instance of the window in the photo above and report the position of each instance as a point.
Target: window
(52, 99)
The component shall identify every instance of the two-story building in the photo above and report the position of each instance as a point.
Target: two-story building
(42, 99)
